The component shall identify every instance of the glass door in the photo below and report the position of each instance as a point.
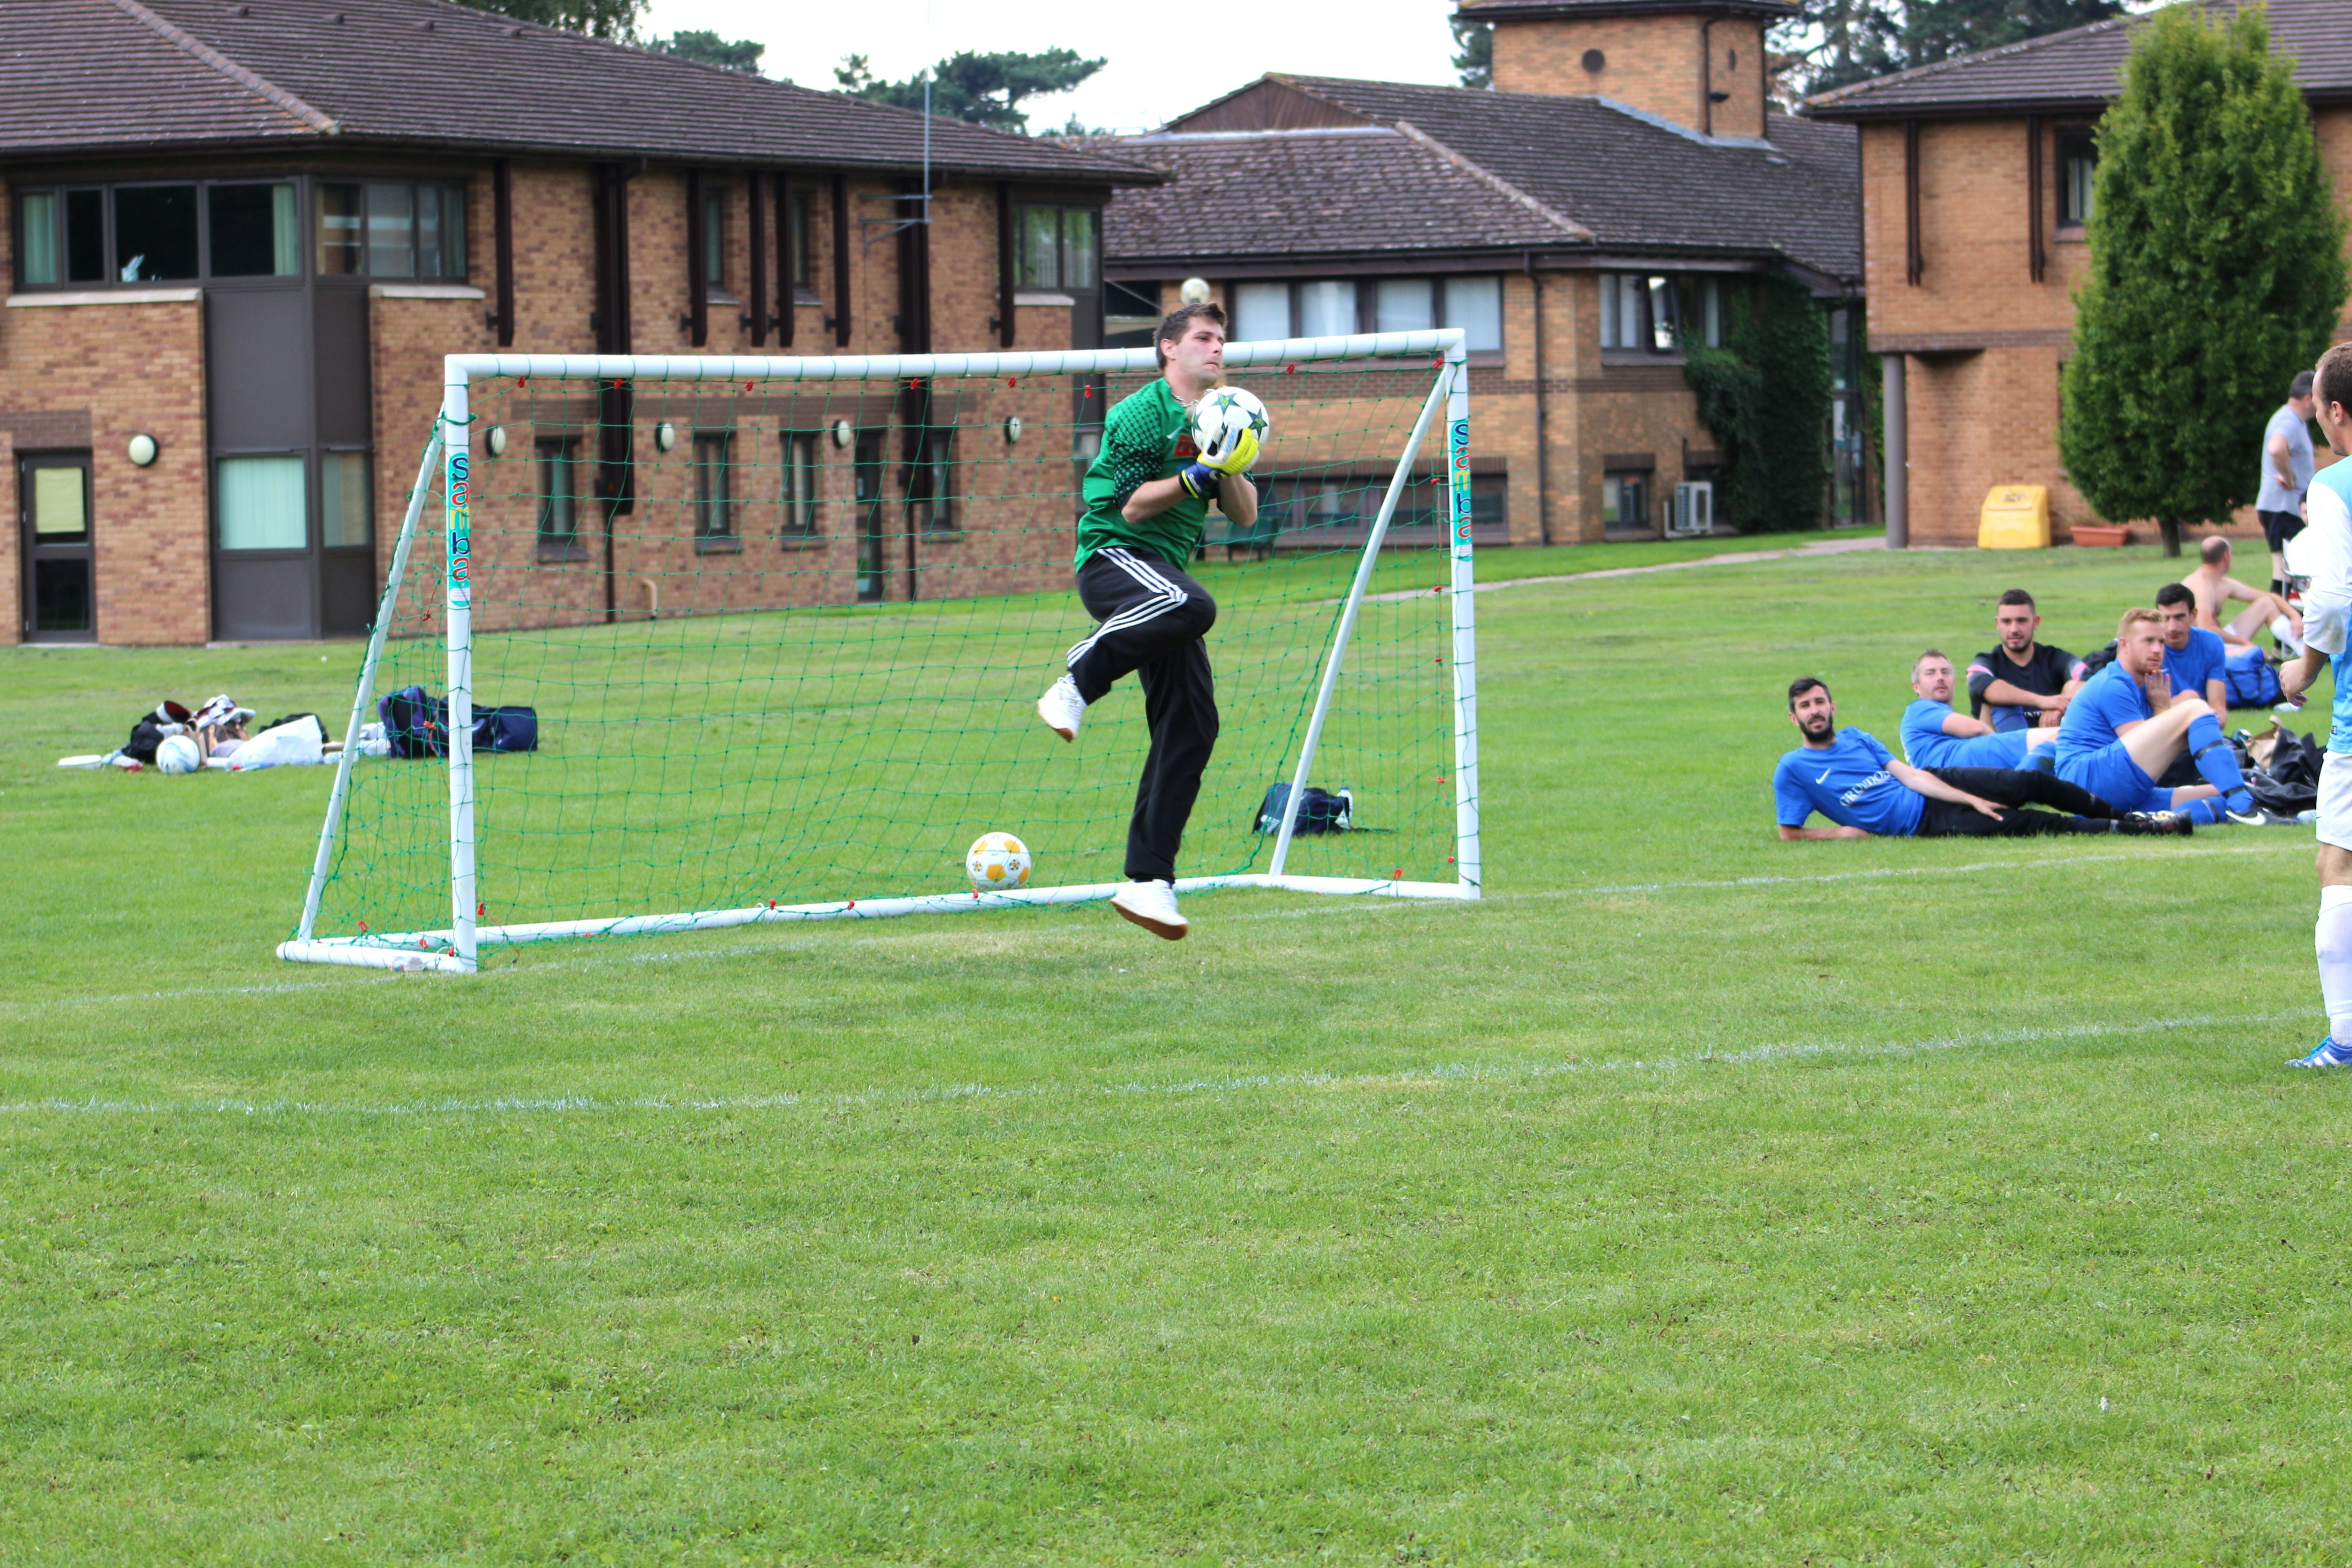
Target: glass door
(54, 497)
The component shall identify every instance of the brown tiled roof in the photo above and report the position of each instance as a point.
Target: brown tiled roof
(2082, 70)
(1321, 192)
(124, 75)
(1629, 181)
(1538, 10)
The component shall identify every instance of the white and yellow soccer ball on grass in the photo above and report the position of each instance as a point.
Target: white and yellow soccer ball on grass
(995, 862)
(1229, 425)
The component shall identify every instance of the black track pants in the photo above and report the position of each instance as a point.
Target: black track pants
(1152, 620)
(2013, 787)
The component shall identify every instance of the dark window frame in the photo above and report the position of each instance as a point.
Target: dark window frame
(2074, 145)
(803, 229)
(801, 465)
(1060, 282)
(714, 234)
(931, 484)
(714, 491)
(556, 459)
(1647, 479)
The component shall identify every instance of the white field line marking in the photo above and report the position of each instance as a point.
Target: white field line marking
(1438, 1075)
(1317, 909)
(1734, 558)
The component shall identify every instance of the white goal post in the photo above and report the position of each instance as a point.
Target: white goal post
(452, 458)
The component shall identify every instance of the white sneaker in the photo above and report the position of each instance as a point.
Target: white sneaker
(1063, 709)
(1153, 906)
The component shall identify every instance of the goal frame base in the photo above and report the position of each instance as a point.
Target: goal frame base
(433, 951)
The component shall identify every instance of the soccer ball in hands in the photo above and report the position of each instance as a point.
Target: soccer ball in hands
(178, 754)
(1229, 425)
(995, 862)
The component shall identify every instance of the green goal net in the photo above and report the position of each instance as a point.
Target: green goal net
(780, 625)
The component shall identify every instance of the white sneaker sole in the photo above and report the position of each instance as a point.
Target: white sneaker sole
(1155, 926)
(1052, 723)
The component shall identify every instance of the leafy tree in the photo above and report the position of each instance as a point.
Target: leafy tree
(742, 55)
(985, 90)
(614, 19)
(1473, 51)
(2217, 272)
(1766, 396)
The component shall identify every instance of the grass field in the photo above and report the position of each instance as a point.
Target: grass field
(1693, 1197)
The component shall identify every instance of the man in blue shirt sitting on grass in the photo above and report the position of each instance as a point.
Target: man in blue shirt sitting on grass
(1862, 787)
(2125, 726)
(1933, 736)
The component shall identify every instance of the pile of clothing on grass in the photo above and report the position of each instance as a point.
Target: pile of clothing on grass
(174, 738)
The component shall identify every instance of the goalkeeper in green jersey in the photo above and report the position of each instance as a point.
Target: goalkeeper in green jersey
(1147, 498)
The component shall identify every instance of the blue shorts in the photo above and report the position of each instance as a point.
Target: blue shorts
(2110, 774)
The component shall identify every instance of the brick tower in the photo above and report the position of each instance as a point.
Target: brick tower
(1698, 63)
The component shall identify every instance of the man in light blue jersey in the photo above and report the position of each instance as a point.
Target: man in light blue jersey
(2324, 552)
(1933, 736)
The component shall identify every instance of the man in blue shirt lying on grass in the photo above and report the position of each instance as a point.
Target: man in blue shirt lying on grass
(1933, 736)
(1862, 787)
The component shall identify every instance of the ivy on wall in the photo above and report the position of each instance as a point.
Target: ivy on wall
(1766, 396)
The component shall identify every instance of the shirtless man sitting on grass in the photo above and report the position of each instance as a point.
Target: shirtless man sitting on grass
(2216, 590)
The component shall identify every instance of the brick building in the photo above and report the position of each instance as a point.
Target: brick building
(241, 233)
(1976, 180)
(1583, 221)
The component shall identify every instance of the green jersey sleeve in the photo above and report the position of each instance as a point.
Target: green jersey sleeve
(1146, 436)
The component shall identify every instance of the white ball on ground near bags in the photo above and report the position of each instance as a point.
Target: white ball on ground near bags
(179, 754)
(995, 862)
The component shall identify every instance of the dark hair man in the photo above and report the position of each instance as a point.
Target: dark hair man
(2197, 660)
(2021, 683)
(2323, 552)
(2124, 728)
(1861, 786)
(2286, 473)
(1147, 496)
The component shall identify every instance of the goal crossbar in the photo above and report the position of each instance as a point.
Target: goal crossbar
(455, 949)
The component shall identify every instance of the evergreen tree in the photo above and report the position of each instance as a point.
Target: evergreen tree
(2217, 272)
(1473, 51)
(984, 89)
(1765, 395)
(742, 55)
(615, 19)
(1839, 42)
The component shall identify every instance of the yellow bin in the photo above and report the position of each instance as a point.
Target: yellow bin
(2015, 517)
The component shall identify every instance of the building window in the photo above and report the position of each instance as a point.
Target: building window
(714, 509)
(799, 485)
(559, 495)
(1131, 314)
(260, 505)
(344, 506)
(803, 271)
(1657, 314)
(714, 237)
(253, 232)
(2078, 161)
(1059, 248)
(36, 238)
(1625, 503)
(1261, 312)
(1475, 305)
(154, 233)
(930, 487)
(1404, 305)
(1326, 308)
(391, 229)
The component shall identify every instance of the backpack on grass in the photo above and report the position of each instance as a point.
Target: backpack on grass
(1319, 810)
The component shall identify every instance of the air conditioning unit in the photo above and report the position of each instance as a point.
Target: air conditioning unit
(1694, 512)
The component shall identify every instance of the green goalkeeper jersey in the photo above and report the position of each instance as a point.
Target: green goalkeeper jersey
(1148, 436)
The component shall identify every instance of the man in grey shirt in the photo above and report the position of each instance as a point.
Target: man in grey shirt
(2286, 473)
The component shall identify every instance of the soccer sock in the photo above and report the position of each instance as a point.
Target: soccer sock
(2333, 938)
(2214, 759)
(2204, 812)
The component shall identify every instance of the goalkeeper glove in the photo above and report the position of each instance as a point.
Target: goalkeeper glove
(1235, 450)
(1200, 480)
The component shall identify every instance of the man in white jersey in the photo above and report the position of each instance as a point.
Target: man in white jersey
(2325, 551)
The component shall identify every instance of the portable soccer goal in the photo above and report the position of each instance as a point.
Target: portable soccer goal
(780, 625)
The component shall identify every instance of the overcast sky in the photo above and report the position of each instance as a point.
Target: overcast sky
(1393, 40)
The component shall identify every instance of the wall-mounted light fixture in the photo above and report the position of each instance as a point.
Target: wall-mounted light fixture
(496, 440)
(1012, 428)
(664, 435)
(144, 449)
(842, 433)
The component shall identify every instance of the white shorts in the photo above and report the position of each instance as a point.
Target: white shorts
(2336, 800)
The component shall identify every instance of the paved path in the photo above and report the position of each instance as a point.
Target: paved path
(1733, 558)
